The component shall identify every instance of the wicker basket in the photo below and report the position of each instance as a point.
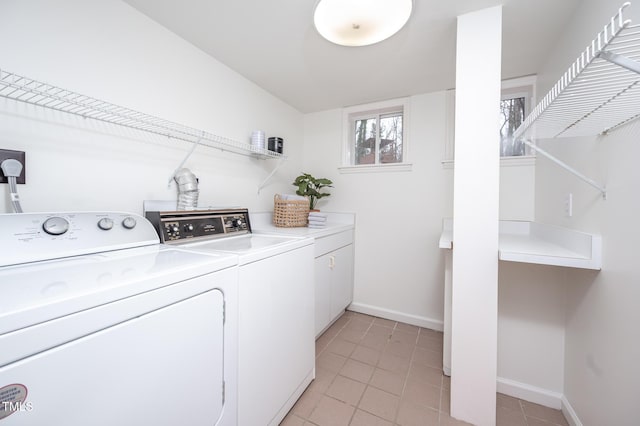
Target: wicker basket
(290, 213)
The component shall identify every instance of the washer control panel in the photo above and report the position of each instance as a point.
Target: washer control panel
(30, 237)
(175, 226)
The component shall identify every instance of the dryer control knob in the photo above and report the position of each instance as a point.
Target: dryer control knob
(188, 227)
(105, 224)
(55, 225)
(129, 222)
(237, 223)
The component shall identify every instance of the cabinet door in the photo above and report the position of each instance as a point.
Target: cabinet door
(341, 279)
(322, 291)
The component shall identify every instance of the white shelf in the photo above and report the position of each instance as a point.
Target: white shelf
(532, 242)
(599, 92)
(23, 89)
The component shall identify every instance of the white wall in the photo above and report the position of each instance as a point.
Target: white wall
(401, 275)
(601, 382)
(531, 307)
(398, 266)
(108, 50)
(421, 197)
(517, 188)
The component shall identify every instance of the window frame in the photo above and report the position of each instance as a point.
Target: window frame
(373, 110)
(510, 88)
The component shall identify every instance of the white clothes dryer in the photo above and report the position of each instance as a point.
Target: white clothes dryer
(276, 327)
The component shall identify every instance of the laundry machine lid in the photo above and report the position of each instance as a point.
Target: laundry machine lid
(41, 291)
(250, 248)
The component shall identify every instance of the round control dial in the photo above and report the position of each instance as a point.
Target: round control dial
(129, 222)
(188, 227)
(105, 224)
(237, 223)
(55, 225)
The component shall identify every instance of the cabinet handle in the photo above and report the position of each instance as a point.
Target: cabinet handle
(332, 262)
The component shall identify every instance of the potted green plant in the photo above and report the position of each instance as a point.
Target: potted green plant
(310, 186)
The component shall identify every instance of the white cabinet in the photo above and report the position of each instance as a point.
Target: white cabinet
(333, 277)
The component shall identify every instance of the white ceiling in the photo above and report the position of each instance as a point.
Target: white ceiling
(274, 44)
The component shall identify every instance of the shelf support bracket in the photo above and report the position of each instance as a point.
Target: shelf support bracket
(620, 60)
(568, 168)
(273, 172)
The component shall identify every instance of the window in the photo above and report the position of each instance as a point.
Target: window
(515, 104)
(517, 100)
(512, 114)
(375, 135)
(378, 139)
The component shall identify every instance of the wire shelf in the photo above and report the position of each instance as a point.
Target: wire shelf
(23, 89)
(598, 93)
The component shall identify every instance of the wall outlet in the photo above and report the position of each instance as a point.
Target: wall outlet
(568, 205)
(17, 155)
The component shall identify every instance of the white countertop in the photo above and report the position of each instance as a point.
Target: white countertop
(532, 242)
(262, 223)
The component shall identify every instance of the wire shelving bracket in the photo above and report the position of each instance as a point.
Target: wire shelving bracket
(599, 93)
(273, 172)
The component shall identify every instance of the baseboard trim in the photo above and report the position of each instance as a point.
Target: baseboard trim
(530, 393)
(570, 413)
(389, 314)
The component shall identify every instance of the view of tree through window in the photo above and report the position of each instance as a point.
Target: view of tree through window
(385, 144)
(511, 116)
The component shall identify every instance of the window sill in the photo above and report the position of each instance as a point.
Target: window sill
(376, 168)
(521, 160)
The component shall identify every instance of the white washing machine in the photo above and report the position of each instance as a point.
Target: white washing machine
(102, 325)
(276, 349)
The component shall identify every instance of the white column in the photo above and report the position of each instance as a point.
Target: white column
(446, 344)
(475, 209)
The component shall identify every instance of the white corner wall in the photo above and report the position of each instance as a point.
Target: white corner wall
(108, 50)
(601, 380)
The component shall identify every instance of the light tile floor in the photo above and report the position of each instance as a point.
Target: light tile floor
(375, 372)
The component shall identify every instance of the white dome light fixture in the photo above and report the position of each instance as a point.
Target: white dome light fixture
(360, 22)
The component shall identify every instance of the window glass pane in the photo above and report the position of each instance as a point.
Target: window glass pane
(511, 116)
(391, 138)
(365, 141)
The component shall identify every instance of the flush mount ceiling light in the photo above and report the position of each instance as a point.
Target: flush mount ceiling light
(360, 22)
